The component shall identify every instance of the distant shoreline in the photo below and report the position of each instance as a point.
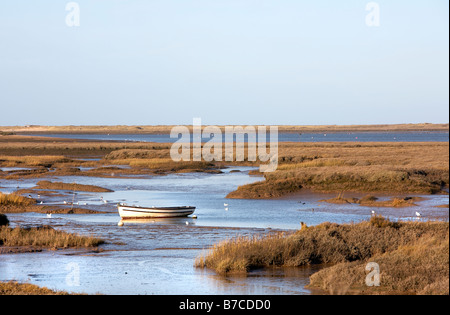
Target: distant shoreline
(165, 129)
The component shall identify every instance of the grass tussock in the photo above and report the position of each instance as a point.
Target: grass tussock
(33, 161)
(394, 245)
(15, 288)
(44, 237)
(15, 200)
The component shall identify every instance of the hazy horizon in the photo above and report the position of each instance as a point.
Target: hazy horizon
(230, 62)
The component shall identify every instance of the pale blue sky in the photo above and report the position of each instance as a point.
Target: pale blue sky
(227, 61)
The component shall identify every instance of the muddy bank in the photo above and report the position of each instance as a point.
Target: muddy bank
(372, 201)
(70, 187)
(37, 238)
(47, 209)
(403, 250)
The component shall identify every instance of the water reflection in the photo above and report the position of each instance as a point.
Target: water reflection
(267, 280)
(156, 256)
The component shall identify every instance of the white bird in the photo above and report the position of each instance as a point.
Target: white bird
(418, 214)
(65, 202)
(226, 209)
(225, 204)
(187, 223)
(105, 201)
(42, 202)
(49, 215)
(373, 211)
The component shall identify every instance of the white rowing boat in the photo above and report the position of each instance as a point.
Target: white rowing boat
(135, 212)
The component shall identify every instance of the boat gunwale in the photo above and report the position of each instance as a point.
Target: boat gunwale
(126, 212)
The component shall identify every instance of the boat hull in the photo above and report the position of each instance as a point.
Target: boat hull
(126, 212)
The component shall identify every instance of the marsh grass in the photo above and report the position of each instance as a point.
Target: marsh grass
(420, 267)
(372, 201)
(33, 161)
(167, 164)
(15, 200)
(316, 163)
(44, 237)
(15, 288)
(347, 246)
(391, 168)
(70, 187)
(21, 150)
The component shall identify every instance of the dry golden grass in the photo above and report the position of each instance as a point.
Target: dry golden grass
(44, 237)
(391, 168)
(16, 149)
(69, 186)
(355, 167)
(157, 161)
(15, 200)
(15, 288)
(348, 246)
(165, 165)
(33, 161)
(372, 201)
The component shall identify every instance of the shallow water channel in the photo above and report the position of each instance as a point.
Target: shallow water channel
(157, 256)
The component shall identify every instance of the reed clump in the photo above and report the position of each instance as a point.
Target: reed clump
(44, 237)
(34, 161)
(346, 245)
(15, 288)
(15, 200)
